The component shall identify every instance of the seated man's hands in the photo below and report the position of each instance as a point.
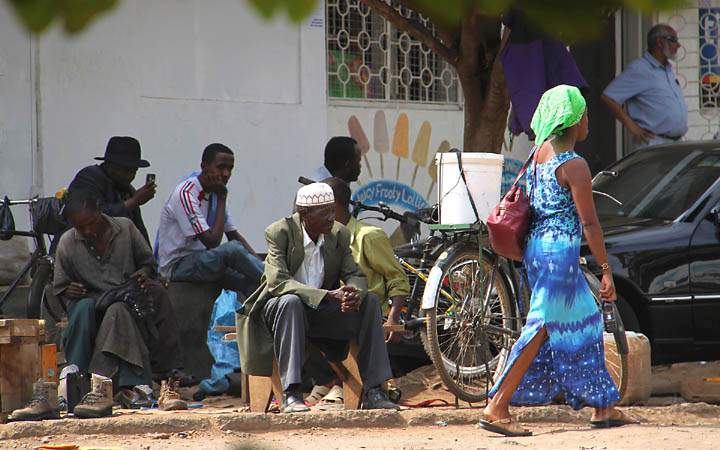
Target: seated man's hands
(347, 296)
(216, 184)
(75, 291)
(398, 302)
(351, 299)
(142, 280)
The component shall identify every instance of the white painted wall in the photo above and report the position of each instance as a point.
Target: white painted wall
(178, 75)
(16, 112)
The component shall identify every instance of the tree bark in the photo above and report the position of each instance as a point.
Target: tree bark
(482, 79)
(479, 71)
(494, 113)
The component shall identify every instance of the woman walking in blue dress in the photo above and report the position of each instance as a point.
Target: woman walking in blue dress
(560, 350)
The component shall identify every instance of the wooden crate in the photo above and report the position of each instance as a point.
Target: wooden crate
(21, 351)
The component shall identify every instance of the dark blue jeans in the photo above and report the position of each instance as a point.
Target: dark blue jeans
(230, 265)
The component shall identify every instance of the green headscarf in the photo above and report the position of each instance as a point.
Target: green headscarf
(560, 107)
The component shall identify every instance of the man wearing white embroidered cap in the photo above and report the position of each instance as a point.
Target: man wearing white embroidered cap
(301, 297)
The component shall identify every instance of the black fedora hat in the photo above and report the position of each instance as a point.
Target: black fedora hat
(123, 151)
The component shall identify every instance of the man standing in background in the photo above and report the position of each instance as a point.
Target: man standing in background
(655, 110)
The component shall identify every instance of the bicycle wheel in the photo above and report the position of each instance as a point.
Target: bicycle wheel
(616, 347)
(467, 337)
(40, 278)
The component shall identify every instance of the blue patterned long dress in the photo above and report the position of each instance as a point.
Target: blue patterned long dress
(572, 360)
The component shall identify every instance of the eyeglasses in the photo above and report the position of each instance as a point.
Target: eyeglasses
(672, 39)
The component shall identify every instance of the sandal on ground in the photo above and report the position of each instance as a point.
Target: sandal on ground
(318, 392)
(612, 422)
(506, 427)
(334, 397)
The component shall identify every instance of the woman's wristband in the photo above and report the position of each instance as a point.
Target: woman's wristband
(605, 267)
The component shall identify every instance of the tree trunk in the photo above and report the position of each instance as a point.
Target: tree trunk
(483, 82)
(479, 70)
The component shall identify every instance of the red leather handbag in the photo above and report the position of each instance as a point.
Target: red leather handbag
(509, 221)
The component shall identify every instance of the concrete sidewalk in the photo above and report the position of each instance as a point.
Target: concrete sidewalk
(125, 422)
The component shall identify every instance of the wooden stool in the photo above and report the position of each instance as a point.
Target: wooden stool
(261, 389)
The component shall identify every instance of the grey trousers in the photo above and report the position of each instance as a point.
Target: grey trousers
(292, 322)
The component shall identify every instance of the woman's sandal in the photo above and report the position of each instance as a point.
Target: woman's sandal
(506, 427)
(612, 422)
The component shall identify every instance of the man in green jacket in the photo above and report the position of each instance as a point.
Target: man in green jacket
(301, 297)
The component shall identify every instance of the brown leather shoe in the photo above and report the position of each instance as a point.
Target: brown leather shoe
(133, 399)
(169, 397)
(43, 405)
(98, 402)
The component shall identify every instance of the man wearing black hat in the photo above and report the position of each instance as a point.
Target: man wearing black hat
(111, 181)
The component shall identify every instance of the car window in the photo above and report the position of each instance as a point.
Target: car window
(660, 184)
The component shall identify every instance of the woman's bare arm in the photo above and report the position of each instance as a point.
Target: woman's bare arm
(575, 175)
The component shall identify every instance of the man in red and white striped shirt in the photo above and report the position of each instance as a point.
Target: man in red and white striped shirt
(192, 224)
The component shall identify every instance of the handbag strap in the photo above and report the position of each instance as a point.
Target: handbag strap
(524, 167)
(462, 175)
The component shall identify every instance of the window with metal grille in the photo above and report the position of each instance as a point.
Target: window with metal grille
(371, 60)
(709, 23)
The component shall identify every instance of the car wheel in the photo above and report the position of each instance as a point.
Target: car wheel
(627, 315)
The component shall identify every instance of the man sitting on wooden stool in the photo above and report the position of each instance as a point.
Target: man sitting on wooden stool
(300, 296)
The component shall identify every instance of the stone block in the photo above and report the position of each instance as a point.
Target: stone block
(699, 390)
(13, 256)
(639, 373)
(193, 304)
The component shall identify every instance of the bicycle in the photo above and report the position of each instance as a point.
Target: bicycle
(469, 304)
(46, 219)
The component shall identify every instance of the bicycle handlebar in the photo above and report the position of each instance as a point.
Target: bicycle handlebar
(388, 213)
(23, 202)
(306, 181)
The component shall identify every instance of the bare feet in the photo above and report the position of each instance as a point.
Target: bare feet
(499, 421)
(492, 414)
(611, 417)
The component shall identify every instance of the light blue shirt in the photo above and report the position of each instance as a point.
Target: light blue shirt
(652, 96)
(320, 174)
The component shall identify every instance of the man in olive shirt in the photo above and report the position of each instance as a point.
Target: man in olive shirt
(374, 254)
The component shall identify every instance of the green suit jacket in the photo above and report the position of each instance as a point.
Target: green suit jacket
(286, 254)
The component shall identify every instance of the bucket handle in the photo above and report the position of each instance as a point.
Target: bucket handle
(458, 154)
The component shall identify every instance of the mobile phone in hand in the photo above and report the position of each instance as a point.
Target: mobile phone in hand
(150, 179)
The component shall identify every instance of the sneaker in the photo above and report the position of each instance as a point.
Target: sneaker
(377, 398)
(169, 399)
(43, 405)
(98, 402)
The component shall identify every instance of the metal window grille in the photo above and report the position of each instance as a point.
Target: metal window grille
(709, 23)
(371, 60)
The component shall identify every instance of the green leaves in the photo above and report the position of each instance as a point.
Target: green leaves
(297, 10)
(570, 18)
(37, 15)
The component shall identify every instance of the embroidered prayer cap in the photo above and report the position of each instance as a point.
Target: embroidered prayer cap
(559, 108)
(315, 194)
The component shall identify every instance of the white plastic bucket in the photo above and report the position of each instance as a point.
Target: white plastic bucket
(483, 172)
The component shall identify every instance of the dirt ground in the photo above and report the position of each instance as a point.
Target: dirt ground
(546, 436)
(667, 422)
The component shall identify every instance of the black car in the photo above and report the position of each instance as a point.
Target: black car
(660, 212)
